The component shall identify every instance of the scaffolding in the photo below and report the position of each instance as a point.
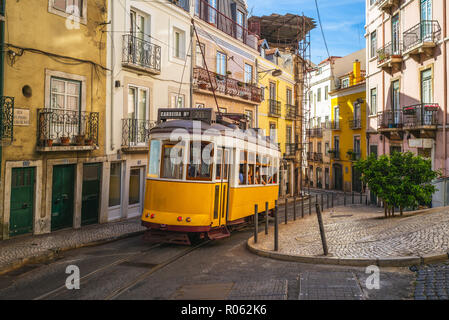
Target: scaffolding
(291, 34)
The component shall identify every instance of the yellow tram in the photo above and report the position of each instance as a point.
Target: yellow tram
(205, 174)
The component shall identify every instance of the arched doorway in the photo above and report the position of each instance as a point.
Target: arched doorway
(338, 176)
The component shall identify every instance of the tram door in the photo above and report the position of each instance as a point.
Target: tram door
(221, 187)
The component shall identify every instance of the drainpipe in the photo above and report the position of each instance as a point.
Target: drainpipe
(2, 70)
(445, 87)
(112, 76)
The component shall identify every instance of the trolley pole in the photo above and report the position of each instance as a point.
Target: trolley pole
(266, 218)
(276, 227)
(322, 233)
(256, 222)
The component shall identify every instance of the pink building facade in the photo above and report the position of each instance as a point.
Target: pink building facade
(407, 84)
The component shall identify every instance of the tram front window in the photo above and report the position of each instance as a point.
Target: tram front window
(200, 162)
(243, 167)
(172, 165)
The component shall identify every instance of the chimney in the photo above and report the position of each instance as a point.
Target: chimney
(356, 72)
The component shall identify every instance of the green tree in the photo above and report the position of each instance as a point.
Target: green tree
(401, 180)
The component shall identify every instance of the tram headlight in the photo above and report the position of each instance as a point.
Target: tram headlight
(188, 220)
(179, 219)
(152, 216)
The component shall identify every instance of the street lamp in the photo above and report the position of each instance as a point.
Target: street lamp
(275, 73)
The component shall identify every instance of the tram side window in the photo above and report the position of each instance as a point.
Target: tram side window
(257, 178)
(243, 167)
(275, 171)
(251, 168)
(172, 164)
(219, 164)
(200, 165)
(264, 170)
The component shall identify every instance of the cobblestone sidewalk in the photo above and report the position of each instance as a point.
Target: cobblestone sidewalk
(363, 233)
(16, 252)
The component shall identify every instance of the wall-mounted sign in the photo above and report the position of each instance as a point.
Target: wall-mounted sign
(21, 117)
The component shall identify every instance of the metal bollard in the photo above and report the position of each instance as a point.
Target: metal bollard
(256, 222)
(344, 195)
(332, 199)
(310, 205)
(302, 207)
(352, 197)
(294, 208)
(361, 198)
(322, 233)
(286, 210)
(366, 199)
(322, 201)
(276, 227)
(266, 218)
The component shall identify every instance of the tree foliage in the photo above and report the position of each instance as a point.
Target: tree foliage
(401, 180)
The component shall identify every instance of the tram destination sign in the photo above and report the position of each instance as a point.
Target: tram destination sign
(206, 115)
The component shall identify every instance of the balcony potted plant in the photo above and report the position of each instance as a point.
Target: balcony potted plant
(411, 110)
(431, 107)
(89, 141)
(240, 83)
(65, 141)
(228, 73)
(331, 153)
(220, 77)
(48, 143)
(79, 139)
(202, 85)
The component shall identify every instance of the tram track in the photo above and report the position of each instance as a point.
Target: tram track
(54, 294)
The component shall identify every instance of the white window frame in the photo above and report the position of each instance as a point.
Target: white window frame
(63, 75)
(81, 19)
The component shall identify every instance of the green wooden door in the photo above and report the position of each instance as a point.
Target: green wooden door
(62, 197)
(22, 201)
(91, 193)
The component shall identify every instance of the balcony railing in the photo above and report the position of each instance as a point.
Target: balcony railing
(141, 54)
(334, 154)
(388, 52)
(211, 15)
(184, 4)
(290, 149)
(318, 132)
(335, 125)
(274, 108)
(6, 119)
(318, 157)
(290, 112)
(309, 156)
(136, 133)
(226, 85)
(390, 119)
(385, 5)
(421, 115)
(64, 128)
(355, 124)
(354, 155)
(427, 31)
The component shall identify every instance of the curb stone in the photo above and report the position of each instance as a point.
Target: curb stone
(355, 262)
(50, 254)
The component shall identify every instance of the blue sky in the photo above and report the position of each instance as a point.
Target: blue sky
(343, 22)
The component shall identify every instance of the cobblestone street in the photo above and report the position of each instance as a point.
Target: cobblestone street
(363, 232)
(432, 282)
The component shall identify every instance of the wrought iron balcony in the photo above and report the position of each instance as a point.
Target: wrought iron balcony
(318, 157)
(318, 132)
(141, 55)
(136, 133)
(334, 154)
(6, 119)
(421, 116)
(335, 125)
(290, 149)
(214, 17)
(290, 112)
(274, 108)
(355, 124)
(59, 129)
(422, 38)
(389, 57)
(226, 85)
(310, 156)
(353, 155)
(390, 119)
(184, 4)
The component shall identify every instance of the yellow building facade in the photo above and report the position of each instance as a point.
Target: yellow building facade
(52, 167)
(348, 125)
(277, 112)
